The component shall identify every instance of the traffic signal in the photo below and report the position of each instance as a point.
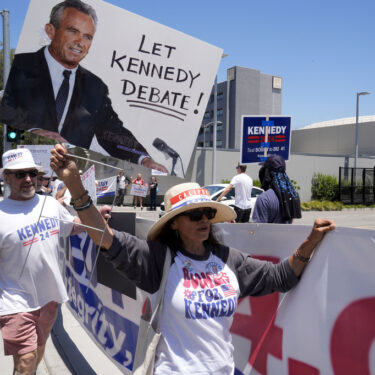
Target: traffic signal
(13, 134)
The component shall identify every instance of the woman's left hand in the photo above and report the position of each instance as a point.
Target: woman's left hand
(302, 256)
(320, 228)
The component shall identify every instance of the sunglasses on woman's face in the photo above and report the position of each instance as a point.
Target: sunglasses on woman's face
(22, 174)
(197, 215)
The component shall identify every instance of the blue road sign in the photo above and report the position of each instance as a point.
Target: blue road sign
(253, 139)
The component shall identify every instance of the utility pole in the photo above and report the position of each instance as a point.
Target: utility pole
(6, 64)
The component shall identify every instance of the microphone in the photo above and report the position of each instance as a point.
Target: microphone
(160, 145)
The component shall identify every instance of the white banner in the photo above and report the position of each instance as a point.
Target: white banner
(324, 326)
(159, 82)
(139, 190)
(41, 155)
(106, 187)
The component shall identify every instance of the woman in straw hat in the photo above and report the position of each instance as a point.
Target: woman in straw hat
(205, 278)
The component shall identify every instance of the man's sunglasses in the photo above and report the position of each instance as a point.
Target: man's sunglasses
(197, 215)
(22, 174)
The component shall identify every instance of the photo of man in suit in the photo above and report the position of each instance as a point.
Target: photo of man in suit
(49, 93)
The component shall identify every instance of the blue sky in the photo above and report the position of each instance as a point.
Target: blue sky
(324, 50)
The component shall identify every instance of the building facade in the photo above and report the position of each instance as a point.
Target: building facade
(245, 92)
(336, 137)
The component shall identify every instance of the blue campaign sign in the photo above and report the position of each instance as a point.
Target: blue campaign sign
(253, 137)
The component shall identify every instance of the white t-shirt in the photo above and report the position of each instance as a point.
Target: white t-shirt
(203, 307)
(122, 182)
(243, 184)
(41, 281)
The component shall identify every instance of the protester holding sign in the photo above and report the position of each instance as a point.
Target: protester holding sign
(50, 93)
(205, 279)
(138, 198)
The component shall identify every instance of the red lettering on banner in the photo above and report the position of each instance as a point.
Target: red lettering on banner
(352, 337)
(259, 328)
(300, 368)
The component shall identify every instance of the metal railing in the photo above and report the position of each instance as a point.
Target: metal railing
(357, 185)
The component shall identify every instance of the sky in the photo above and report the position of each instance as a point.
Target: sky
(323, 49)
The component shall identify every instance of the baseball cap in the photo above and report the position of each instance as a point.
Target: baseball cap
(20, 158)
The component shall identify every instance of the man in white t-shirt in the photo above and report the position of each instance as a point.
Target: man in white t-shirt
(243, 184)
(30, 280)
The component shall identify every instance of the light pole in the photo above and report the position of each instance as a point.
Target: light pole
(6, 63)
(356, 126)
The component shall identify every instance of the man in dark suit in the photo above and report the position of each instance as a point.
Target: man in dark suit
(33, 101)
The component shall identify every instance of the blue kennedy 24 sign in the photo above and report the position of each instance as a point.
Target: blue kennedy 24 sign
(264, 135)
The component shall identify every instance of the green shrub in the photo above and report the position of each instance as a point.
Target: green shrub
(321, 206)
(324, 187)
(355, 206)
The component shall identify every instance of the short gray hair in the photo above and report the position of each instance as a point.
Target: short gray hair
(58, 10)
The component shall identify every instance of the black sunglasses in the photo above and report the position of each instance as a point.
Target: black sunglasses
(197, 215)
(22, 174)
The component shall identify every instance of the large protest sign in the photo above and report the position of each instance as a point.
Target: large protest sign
(139, 190)
(324, 326)
(159, 81)
(264, 135)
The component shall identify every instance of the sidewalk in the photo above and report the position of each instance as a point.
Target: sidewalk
(69, 350)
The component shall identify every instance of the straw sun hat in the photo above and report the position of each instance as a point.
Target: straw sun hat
(186, 197)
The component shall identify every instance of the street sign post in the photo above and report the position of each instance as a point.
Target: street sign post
(264, 135)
